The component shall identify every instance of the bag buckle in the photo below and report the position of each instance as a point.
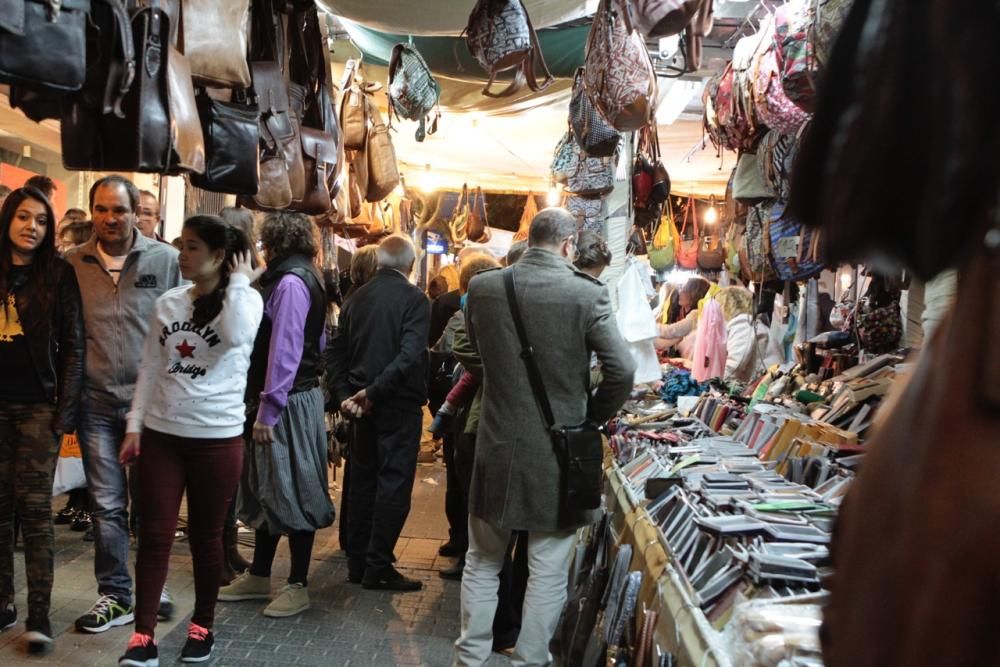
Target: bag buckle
(54, 8)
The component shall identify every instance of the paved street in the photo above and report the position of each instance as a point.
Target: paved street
(345, 626)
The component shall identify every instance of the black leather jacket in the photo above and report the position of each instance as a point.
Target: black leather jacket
(57, 347)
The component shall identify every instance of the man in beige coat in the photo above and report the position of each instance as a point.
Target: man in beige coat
(516, 477)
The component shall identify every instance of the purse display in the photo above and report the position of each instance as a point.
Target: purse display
(277, 132)
(232, 134)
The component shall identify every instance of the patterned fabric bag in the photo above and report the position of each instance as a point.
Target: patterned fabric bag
(590, 176)
(619, 74)
(592, 134)
(754, 264)
(794, 52)
(563, 159)
(500, 36)
(828, 18)
(590, 213)
(793, 249)
(774, 109)
(413, 92)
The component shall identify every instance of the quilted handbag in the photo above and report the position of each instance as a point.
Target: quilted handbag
(590, 213)
(793, 248)
(590, 176)
(774, 109)
(593, 135)
(618, 71)
(413, 91)
(563, 159)
(43, 44)
(795, 53)
(663, 247)
(687, 249)
(500, 37)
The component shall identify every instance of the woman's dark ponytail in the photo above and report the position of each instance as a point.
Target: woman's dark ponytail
(216, 234)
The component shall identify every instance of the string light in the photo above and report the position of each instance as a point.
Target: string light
(712, 214)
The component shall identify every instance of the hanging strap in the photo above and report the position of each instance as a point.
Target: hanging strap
(527, 352)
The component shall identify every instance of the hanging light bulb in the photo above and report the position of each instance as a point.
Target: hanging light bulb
(712, 214)
(427, 181)
(553, 197)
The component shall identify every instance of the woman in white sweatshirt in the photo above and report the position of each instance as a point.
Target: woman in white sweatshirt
(188, 408)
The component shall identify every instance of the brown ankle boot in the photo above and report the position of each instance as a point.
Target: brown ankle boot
(230, 546)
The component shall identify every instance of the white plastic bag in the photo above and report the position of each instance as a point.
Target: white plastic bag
(69, 467)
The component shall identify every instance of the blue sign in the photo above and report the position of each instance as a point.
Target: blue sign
(435, 243)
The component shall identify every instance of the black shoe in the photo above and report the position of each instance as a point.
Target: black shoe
(88, 535)
(450, 550)
(39, 634)
(453, 573)
(198, 647)
(141, 652)
(355, 571)
(166, 610)
(65, 516)
(106, 613)
(8, 617)
(389, 579)
(82, 522)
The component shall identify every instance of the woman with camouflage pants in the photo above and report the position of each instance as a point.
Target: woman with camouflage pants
(41, 354)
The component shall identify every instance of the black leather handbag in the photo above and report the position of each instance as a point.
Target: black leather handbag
(232, 133)
(580, 448)
(43, 43)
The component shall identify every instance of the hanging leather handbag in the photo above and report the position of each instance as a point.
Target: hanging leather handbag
(592, 134)
(687, 249)
(383, 171)
(232, 133)
(319, 156)
(527, 215)
(353, 109)
(477, 227)
(579, 449)
(43, 44)
(213, 35)
(276, 132)
(711, 250)
(187, 142)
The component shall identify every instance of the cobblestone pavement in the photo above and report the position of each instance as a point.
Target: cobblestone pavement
(345, 626)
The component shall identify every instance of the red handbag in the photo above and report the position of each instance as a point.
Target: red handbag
(687, 250)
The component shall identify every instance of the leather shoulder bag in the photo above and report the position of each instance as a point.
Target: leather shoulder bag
(43, 43)
(232, 133)
(579, 449)
(213, 35)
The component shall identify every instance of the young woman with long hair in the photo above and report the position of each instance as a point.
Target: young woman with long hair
(41, 353)
(188, 408)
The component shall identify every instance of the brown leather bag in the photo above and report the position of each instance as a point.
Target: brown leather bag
(187, 141)
(277, 132)
(354, 108)
(529, 213)
(213, 35)
(383, 171)
(319, 156)
(477, 226)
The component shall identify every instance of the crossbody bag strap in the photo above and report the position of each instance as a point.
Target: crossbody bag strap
(527, 353)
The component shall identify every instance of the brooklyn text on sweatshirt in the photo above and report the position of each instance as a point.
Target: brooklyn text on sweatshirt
(193, 378)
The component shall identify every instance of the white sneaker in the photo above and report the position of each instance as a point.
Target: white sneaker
(166, 611)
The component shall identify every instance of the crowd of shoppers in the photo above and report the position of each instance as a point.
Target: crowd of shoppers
(200, 372)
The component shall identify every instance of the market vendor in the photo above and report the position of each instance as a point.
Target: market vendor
(682, 332)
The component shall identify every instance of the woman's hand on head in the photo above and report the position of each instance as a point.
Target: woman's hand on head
(242, 263)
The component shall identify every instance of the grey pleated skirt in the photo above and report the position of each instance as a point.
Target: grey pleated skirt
(284, 486)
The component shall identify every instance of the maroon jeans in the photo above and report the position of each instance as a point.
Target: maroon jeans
(209, 470)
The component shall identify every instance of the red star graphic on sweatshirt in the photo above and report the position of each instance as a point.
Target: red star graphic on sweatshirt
(185, 349)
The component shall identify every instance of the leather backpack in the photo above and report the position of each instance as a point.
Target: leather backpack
(413, 91)
(618, 71)
(213, 34)
(663, 18)
(43, 44)
(500, 37)
(592, 134)
(383, 170)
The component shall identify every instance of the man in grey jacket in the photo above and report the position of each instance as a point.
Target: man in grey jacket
(515, 485)
(121, 274)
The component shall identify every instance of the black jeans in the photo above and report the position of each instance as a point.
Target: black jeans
(383, 463)
(456, 504)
